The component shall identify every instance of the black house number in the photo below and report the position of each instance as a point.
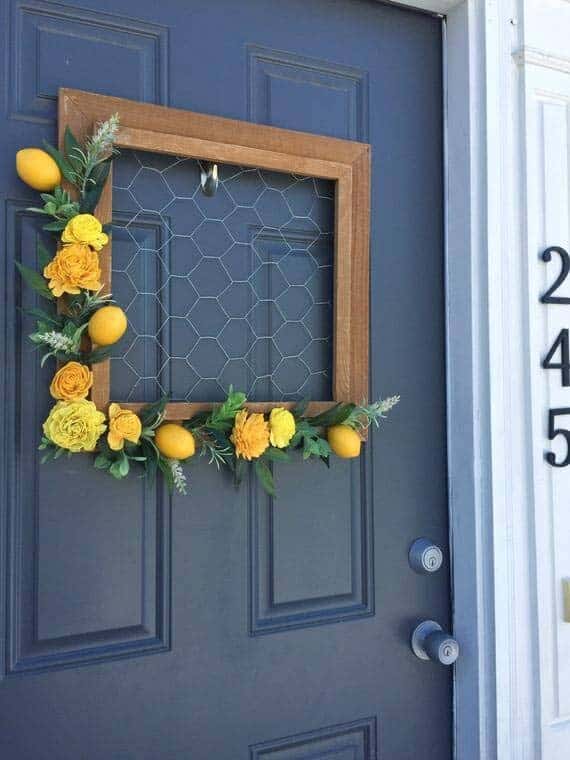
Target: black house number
(561, 346)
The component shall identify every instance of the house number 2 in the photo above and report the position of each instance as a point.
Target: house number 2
(561, 346)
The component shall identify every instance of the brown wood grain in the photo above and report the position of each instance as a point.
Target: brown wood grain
(168, 130)
(182, 410)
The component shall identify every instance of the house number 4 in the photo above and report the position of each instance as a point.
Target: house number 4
(561, 346)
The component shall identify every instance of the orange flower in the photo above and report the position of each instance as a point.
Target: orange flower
(71, 382)
(75, 267)
(124, 425)
(250, 435)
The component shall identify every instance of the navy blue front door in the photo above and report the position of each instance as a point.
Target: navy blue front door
(223, 624)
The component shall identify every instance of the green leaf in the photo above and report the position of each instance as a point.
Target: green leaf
(334, 416)
(150, 412)
(43, 254)
(222, 418)
(264, 476)
(69, 143)
(167, 472)
(276, 455)
(198, 420)
(64, 166)
(115, 470)
(101, 462)
(90, 197)
(124, 466)
(55, 226)
(151, 458)
(239, 471)
(300, 408)
(51, 320)
(35, 280)
(97, 355)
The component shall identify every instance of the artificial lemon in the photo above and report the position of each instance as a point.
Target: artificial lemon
(37, 169)
(344, 441)
(107, 325)
(174, 441)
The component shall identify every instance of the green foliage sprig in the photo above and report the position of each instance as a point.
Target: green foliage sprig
(86, 167)
(118, 463)
(59, 206)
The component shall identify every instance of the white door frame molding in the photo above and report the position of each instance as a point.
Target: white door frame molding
(497, 696)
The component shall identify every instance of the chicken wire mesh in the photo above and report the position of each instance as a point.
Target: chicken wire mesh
(230, 289)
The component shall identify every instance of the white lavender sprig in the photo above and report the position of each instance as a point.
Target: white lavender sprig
(98, 148)
(100, 145)
(364, 415)
(178, 477)
(67, 343)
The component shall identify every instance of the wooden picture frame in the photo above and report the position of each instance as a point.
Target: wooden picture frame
(185, 133)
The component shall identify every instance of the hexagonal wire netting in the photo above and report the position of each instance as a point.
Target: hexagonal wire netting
(230, 289)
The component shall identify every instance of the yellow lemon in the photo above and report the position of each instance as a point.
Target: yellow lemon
(107, 325)
(37, 169)
(344, 441)
(174, 441)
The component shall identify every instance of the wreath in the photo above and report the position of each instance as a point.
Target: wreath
(88, 323)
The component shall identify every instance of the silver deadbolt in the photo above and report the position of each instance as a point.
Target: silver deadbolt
(425, 557)
(430, 642)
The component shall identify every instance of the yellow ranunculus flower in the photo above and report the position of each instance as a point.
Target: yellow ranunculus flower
(71, 382)
(86, 229)
(124, 425)
(74, 267)
(75, 425)
(281, 427)
(250, 435)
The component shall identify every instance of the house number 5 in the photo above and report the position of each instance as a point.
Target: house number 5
(562, 344)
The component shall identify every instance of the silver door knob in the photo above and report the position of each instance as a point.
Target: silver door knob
(430, 642)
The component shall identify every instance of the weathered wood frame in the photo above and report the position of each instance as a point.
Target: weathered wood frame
(184, 133)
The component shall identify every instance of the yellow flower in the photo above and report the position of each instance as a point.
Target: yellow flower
(75, 425)
(281, 427)
(74, 267)
(124, 425)
(71, 382)
(250, 435)
(86, 229)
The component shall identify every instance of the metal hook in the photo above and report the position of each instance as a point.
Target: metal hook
(209, 179)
